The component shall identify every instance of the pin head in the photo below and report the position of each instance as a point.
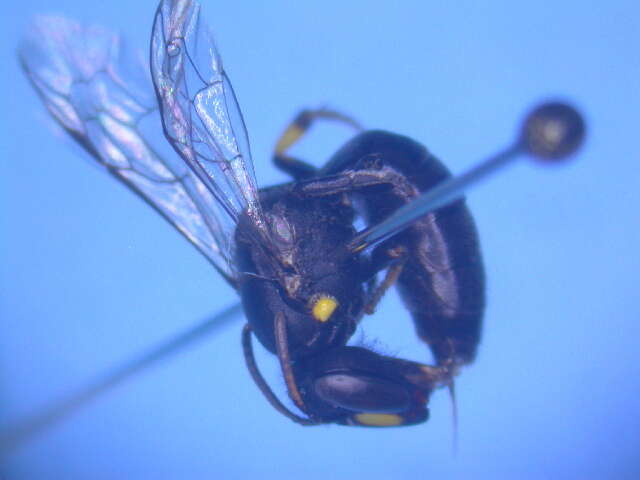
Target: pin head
(552, 131)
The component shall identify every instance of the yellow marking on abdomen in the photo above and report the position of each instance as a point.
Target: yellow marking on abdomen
(379, 419)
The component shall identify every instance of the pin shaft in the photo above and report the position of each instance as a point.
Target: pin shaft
(439, 196)
(14, 436)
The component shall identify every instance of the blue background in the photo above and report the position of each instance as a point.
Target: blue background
(90, 275)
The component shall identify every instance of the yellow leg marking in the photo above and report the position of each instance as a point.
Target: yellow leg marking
(303, 121)
(291, 135)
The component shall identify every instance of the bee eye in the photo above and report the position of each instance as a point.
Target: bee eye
(323, 306)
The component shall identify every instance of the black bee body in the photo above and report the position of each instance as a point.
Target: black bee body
(308, 260)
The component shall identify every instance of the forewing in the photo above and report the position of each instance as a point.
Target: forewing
(200, 113)
(104, 99)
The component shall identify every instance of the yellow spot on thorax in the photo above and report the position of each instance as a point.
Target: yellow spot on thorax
(323, 308)
(379, 419)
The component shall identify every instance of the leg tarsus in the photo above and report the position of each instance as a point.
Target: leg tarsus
(297, 168)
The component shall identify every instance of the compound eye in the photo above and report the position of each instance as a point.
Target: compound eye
(323, 306)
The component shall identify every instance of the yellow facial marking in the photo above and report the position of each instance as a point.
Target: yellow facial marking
(323, 307)
(290, 136)
(379, 419)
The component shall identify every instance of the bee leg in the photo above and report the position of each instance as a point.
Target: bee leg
(395, 259)
(299, 169)
(262, 384)
(363, 180)
(282, 347)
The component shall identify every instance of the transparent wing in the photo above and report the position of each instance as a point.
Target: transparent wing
(104, 99)
(200, 113)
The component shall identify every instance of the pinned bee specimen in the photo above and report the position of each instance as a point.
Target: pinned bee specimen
(305, 275)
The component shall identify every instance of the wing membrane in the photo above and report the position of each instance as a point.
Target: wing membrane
(200, 113)
(105, 101)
